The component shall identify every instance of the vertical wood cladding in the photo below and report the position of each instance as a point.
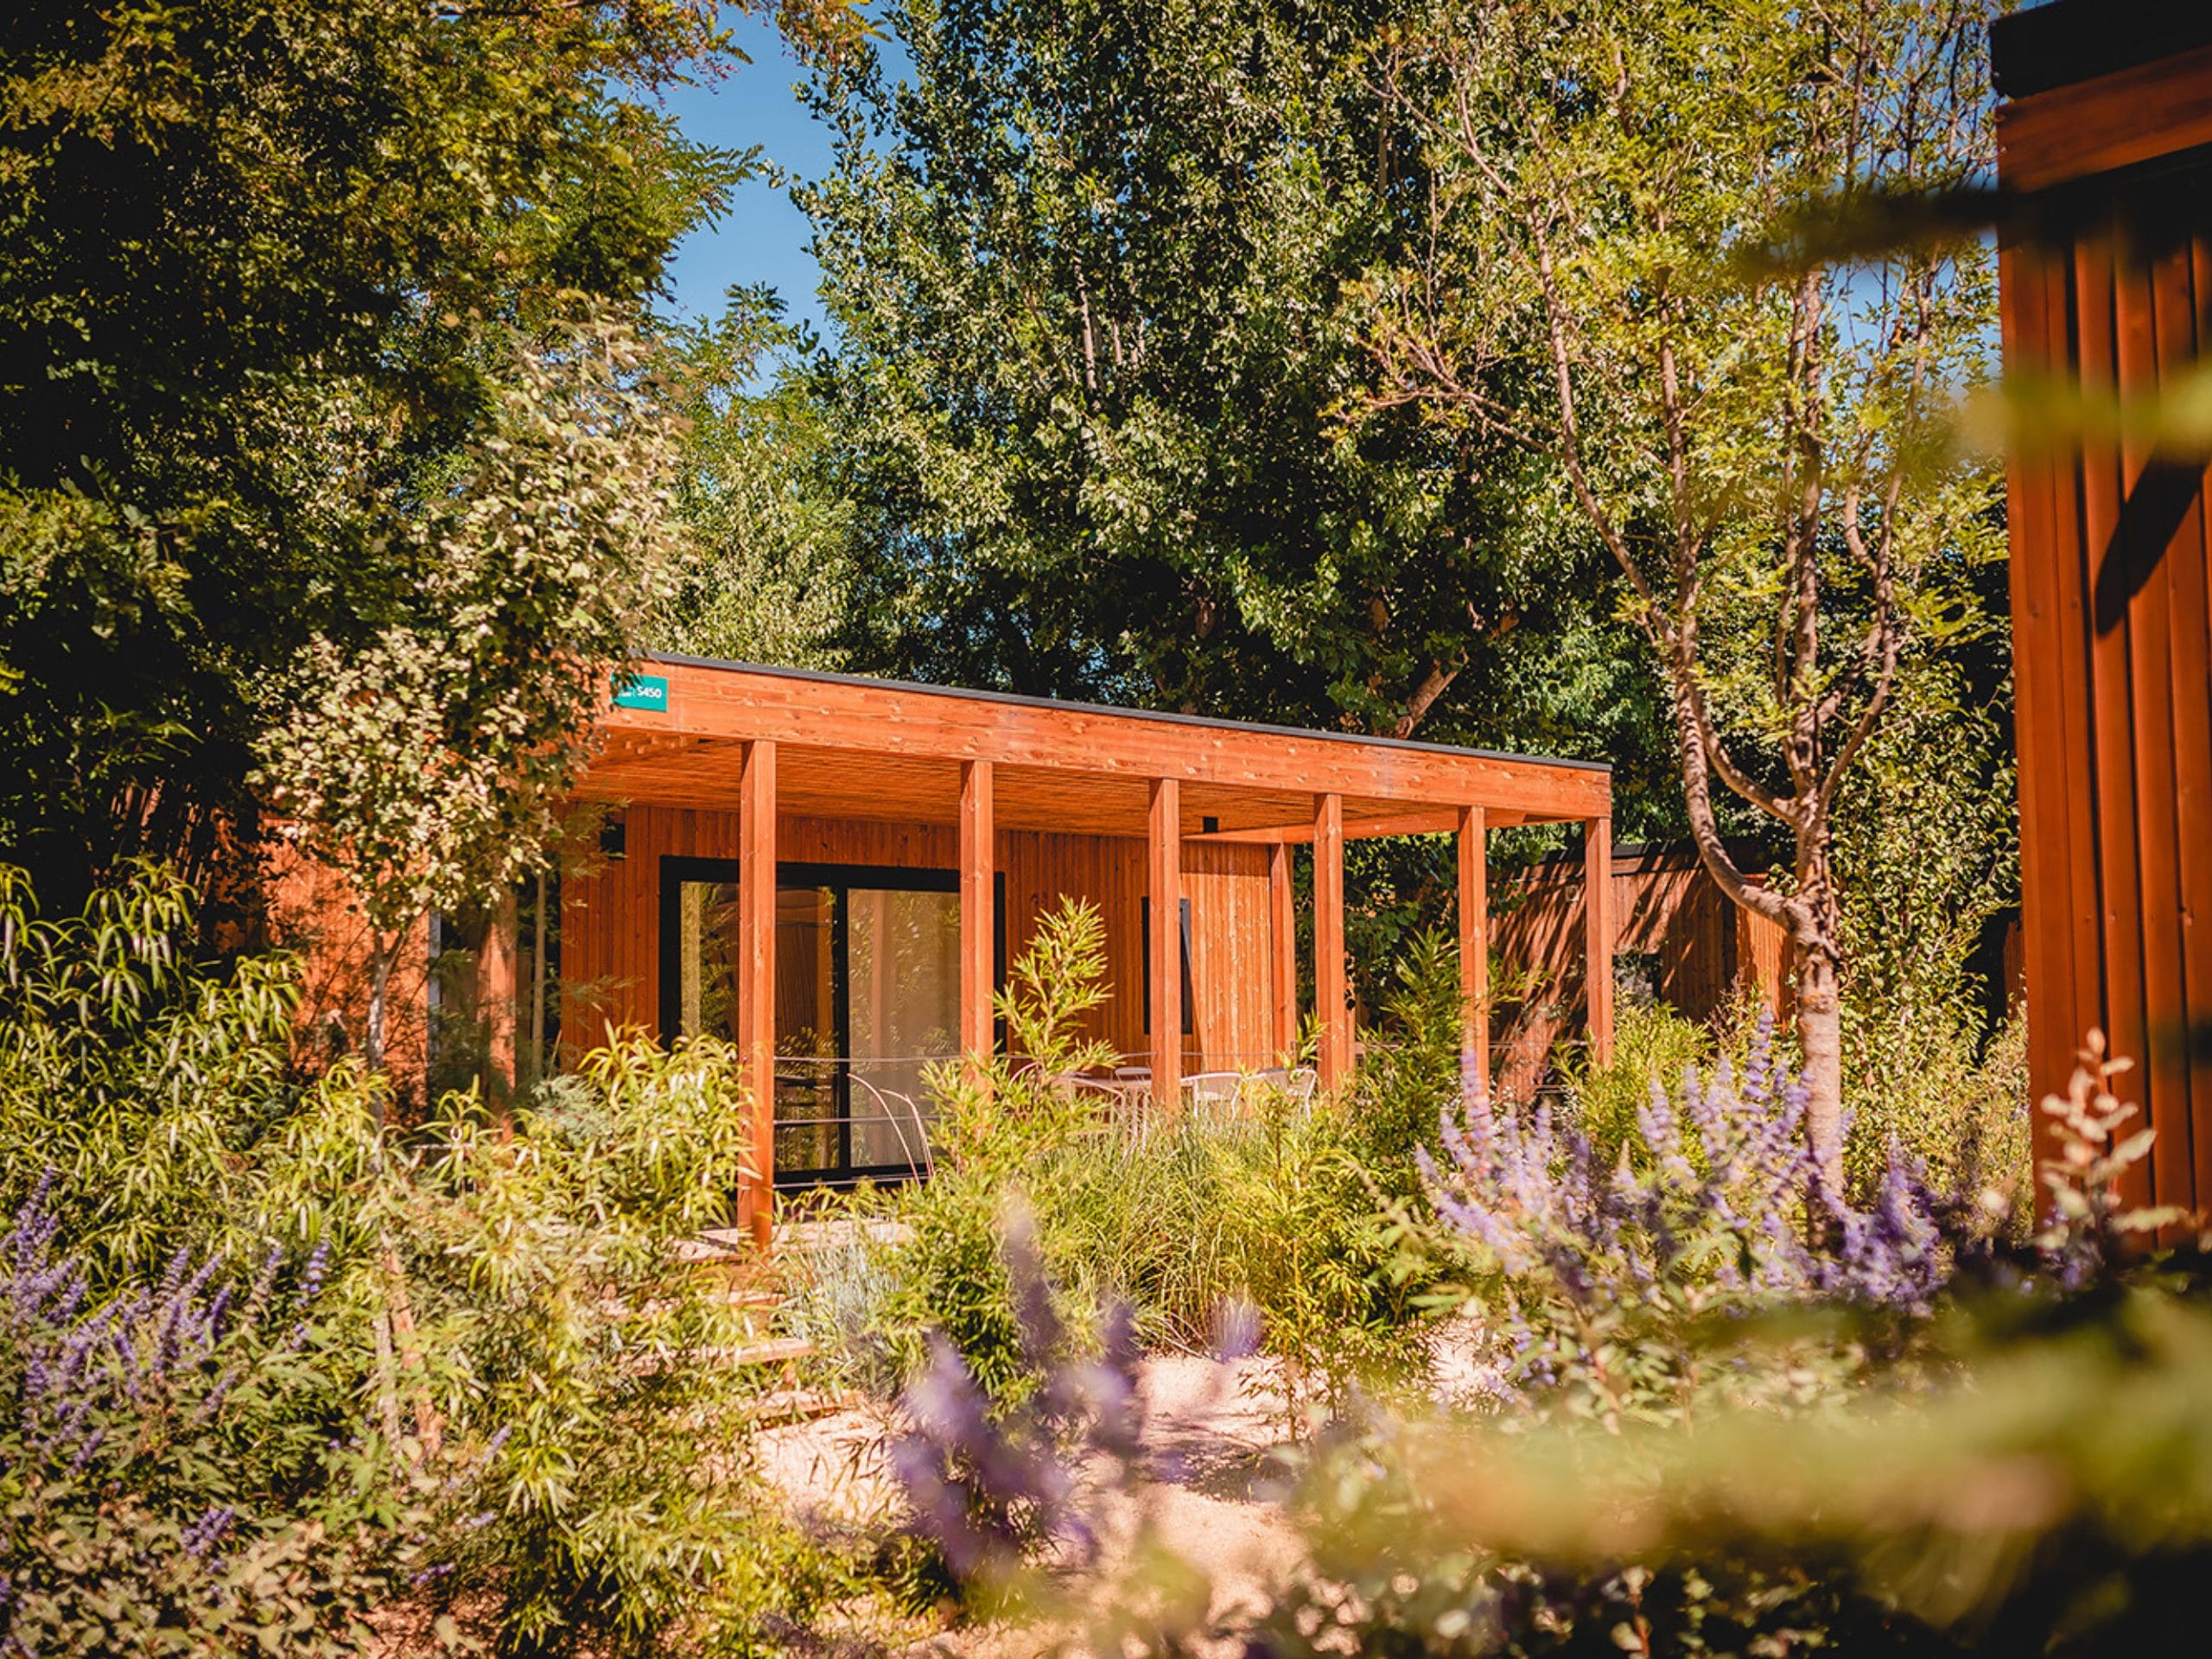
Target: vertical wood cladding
(611, 941)
(1662, 904)
(2112, 644)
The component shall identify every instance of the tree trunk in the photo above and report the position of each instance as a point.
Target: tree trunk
(399, 1308)
(1819, 1034)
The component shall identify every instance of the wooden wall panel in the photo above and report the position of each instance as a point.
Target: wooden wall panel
(1231, 940)
(2112, 635)
(2184, 331)
(1707, 951)
(311, 910)
(610, 963)
(611, 948)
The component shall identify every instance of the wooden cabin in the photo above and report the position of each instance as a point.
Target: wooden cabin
(2105, 152)
(833, 872)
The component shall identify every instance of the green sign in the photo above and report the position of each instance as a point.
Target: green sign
(642, 691)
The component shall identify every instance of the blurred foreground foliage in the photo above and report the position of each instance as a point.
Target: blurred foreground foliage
(1712, 1406)
(1920, 1433)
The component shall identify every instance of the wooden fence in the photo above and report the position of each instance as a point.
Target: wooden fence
(1680, 940)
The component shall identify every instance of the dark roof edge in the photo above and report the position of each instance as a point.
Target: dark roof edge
(1017, 700)
(2070, 40)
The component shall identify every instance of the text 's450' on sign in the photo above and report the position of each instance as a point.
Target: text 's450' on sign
(641, 691)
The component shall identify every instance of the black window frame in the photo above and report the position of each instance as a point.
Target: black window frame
(1144, 951)
(676, 868)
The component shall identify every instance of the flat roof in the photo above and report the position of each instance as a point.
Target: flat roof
(2060, 44)
(853, 747)
(1213, 723)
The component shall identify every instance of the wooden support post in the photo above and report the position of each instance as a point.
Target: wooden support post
(756, 973)
(1282, 942)
(498, 995)
(1474, 946)
(978, 922)
(1165, 885)
(1332, 1003)
(1597, 934)
(539, 982)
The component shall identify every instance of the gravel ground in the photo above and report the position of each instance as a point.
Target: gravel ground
(1209, 1430)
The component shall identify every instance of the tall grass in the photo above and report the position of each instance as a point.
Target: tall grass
(1271, 1206)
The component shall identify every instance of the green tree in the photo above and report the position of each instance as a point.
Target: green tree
(769, 573)
(251, 252)
(428, 763)
(1087, 265)
(1743, 424)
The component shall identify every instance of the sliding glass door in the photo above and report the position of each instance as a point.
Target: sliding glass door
(868, 996)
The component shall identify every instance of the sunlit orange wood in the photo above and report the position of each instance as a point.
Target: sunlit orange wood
(1165, 886)
(2104, 290)
(978, 917)
(2110, 122)
(1331, 999)
(1474, 944)
(497, 993)
(889, 722)
(1434, 821)
(1598, 939)
(1282, 942)
(756, 973)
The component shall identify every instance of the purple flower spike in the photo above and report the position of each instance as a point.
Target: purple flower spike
(1714, 1209)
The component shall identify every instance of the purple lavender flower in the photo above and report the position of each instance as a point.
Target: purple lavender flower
(311, 1277)
(203, 1535)
(1730, 1208)
(986, 1485)
(95, 1392)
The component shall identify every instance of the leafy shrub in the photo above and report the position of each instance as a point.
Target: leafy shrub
(1279, 1206)
(1927, 854)
(153, 1093)
(166, 1483)
(486, 1282)
(1928, 1081)
(1277, 1211)
(989, 1483)
(1002, 1127)
(552, 1307)
(2009, 1458)
(1650, 1043)
(2022, 1469)
(1592, 1278)
(1285, 1206)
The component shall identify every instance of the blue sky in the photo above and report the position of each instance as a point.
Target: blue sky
(763, 237)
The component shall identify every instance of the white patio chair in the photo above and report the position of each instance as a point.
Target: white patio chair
(887, 1103)
(1215, 1085)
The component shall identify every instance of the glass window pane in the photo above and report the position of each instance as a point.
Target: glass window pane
(903, 956)
(807, 1137)
(883, 963)
(707, 958)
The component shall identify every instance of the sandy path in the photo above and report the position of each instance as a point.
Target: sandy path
(1211, 1497)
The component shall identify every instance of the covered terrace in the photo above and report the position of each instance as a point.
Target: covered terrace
(792, 817)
